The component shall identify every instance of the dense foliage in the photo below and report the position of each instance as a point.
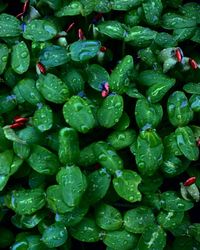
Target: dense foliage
(99, 124)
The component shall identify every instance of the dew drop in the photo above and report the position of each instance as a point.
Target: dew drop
(24, 54)
(4, 59)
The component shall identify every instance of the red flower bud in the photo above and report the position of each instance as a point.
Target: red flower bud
(17, 125)
(41, 68)
(179, 54)
(80, 34)
(70, 27)
(193, 63)
(18, 119)
(103, 49)
(189, 181)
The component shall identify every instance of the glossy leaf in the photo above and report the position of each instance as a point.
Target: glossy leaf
(68, 150)
(53, 56)
(108, 217)
(55, 235)
(10, 26)
(149, 152)
(151, 117)
(137, 219)
(43, 161)
(172, 202)
(110, 111)
(26, 201)
(43, 118)
(154, 238)
(152, 11)
(52, 88)
(86, 231)
(119, 239)
(98, 184)
(186, 143)
(179, 111)
(82, 119)
(73, 184)
(107, 157)
(84, 50)
(20, 58)
(119, 78)
(40, 30)
(113, 29)
(126, 185)
(4, 53)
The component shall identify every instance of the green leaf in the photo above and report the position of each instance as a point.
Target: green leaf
(70, 9)
(113, 29)
(74, 80)
(87, 156)
(11, 135)
(108, 217)
(97, 75)
(120, 239)
(43, 118)
(82, 119)
(126, 185)
(174, 21)
(110, 111)
(21, 150)
(154, 238)
(73, 184)
(43, 161)
(151, 117)
(152, 11)
(172, 202)
(157, 91)
(52, 88)
(124, 5)
(53, 56)
(7, 103)
(84, 50)
(25, 201)
(98, 184)
(40, 30)
(102, 6)
(195, 103)
(10, 26)
(30, 221)
(169, 219)
(119, 78)
(4, 53)
(186, 143)
(68, 150)
(139, 36)
(191, 10)
(28, 91)
(192, 88)
(173, 166)
(179, 111)
(73, 217)
(6, 159)
(121, 139)
(152, 77)
(107, 157)
(86, 231)
(55, 200)
(149, 152)
(20, 58)
(55, 235)
(137, 219)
